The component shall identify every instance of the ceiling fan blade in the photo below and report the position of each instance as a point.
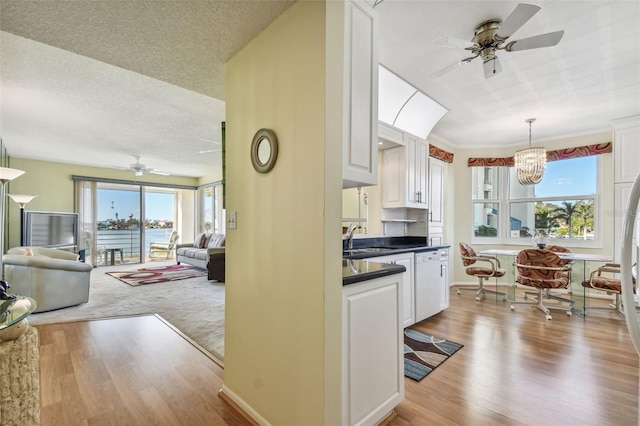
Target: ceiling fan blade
(492, 67)
(158, 172)
(452, 67)
(520, 15)
(453, 42)
(542, 40)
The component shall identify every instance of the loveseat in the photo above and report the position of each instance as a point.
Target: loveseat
(53, 278)
(207, 252)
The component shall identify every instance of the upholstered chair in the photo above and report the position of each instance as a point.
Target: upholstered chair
(481, 267)
(156, 249)
(603, 279)
(565, 262)
(542, 270)
(53, 278)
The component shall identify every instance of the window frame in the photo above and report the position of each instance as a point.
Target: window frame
(504, 209)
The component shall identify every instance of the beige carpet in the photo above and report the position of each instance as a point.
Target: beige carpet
(194, 306)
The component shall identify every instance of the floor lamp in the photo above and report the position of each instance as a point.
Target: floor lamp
(6, 175)
(22, 200)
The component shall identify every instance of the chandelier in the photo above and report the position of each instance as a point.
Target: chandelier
(530, 162)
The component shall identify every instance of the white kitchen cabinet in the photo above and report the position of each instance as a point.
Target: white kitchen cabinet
(372, 341)
(360, 118)
(436, 198)
(405, 174)
(626, 151)
(406, 260)
(443, 254)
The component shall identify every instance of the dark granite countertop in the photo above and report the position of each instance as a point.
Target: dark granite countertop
(364, 248)
(354, 271)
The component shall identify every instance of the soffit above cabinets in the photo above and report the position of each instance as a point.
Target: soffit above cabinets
(405, 107)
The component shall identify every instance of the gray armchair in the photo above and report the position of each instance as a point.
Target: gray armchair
(54, 278)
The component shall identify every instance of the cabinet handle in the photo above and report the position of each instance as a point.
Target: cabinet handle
(430, 216)
(441, 266)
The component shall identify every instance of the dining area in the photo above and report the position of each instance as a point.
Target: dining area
(547, 277)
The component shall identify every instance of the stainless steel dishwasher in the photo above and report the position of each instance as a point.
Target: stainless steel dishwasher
(427, 284)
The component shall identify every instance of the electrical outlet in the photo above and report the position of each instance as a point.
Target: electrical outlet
(232, 220)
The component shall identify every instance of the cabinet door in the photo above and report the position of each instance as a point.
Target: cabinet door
(372, 360)
(444, 284)
(394, 177)
(408, 305)
(422, 173)
(412, 188)
(436, 189)
(626, 149)
(360, 156)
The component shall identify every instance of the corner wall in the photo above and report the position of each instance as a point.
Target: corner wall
(282, 349)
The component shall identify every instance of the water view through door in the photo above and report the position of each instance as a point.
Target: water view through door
(129, 217)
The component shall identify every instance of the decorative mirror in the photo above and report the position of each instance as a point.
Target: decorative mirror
(264, 150)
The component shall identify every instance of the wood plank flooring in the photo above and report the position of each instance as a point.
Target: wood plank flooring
(127, 371)
(516, 368)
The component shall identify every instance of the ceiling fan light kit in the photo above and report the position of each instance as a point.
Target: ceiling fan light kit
(491, 36)
(530, 163)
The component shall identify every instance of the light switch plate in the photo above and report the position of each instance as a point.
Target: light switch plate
(232, 220)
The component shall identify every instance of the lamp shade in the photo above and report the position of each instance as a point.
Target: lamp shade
(22, 199)
(7, 174)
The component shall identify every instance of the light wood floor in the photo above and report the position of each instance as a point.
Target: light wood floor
(516, 368)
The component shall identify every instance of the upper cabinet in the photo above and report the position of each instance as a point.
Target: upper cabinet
(360, 148)
(405, 174)
(626, 147)
(436, 197)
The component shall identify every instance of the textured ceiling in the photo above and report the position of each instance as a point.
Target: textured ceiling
(107, 80)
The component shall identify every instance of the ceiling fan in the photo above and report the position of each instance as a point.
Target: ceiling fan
(139, 169)
(492, 35)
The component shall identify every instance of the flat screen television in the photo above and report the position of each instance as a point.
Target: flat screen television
(51, 229)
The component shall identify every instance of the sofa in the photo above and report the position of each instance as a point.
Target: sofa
(207, 252)
(53, 278)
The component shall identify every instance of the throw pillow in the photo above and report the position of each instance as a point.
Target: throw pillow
(207, 238)
(217, 240)
(199, 241)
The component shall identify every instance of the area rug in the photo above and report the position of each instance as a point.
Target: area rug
(158, 274)
(424, 352)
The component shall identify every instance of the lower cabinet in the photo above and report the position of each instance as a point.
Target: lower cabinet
(406, 260)
(444, 278)
(372, 357)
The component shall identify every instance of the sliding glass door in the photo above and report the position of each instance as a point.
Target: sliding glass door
(119, 223)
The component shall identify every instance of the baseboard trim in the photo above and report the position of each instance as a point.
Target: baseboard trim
(242, 407)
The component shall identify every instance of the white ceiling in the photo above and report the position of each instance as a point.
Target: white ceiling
(96, 82)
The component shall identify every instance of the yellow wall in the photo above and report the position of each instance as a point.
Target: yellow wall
(283, 274)
(52, 184)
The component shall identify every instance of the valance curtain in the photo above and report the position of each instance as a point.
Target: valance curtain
(561, 154)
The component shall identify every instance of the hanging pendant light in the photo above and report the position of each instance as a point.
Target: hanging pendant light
(530, 162)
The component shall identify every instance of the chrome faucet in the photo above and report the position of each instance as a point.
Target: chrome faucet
(350, 231)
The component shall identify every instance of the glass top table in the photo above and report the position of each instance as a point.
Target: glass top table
(580, 273)
(13, 311)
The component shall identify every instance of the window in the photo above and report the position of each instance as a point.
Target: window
(211, 212)
(563, 206)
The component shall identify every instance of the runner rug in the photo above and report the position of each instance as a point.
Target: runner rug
(158, 274)
(424, 352)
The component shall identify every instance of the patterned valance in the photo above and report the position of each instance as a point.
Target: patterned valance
(560, 154)
(440, 154)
